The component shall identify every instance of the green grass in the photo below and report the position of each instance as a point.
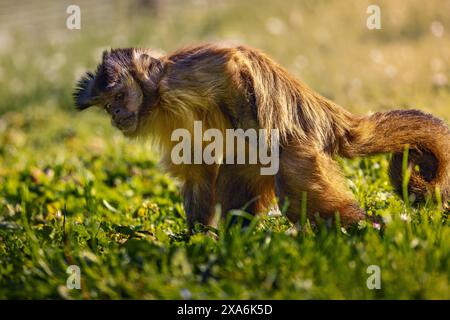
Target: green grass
(73, 191)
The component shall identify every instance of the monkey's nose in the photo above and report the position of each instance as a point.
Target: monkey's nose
(118, 113)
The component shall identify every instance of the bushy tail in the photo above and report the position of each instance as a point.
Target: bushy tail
(428, 141)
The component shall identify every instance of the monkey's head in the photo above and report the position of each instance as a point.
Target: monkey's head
(125, 85)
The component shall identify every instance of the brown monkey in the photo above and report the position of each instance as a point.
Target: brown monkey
(239, 87)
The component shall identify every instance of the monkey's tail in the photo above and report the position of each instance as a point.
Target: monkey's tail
(428, 142)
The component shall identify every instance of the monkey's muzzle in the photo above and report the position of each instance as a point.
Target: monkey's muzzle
(127, 125)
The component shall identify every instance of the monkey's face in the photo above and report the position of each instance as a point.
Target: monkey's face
(118, 87)
(123, 104)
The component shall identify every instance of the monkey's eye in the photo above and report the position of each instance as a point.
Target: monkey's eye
(119, 96)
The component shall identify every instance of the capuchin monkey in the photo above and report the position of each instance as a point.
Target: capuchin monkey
(236, 87)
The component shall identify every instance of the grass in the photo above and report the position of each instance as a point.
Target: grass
(73, 191)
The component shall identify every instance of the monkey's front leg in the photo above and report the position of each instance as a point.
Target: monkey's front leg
(199, 197)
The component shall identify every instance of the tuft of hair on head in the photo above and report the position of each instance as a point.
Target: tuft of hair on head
(83, 91)
(87, 89)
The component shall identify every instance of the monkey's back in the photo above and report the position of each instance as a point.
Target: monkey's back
(252, 91)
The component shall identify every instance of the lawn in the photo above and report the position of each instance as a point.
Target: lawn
(74, 191)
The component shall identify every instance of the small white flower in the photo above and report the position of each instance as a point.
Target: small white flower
(437, 29)
(275, 26)
(390, 71)
(440, 79)
(376, 56)
(414, 243)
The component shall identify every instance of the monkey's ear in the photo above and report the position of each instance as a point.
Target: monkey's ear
(84, 93)
(147, 69)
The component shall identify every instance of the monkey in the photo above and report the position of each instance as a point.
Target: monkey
(149, 95)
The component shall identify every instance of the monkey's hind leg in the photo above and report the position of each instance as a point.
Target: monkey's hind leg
(304, 169)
